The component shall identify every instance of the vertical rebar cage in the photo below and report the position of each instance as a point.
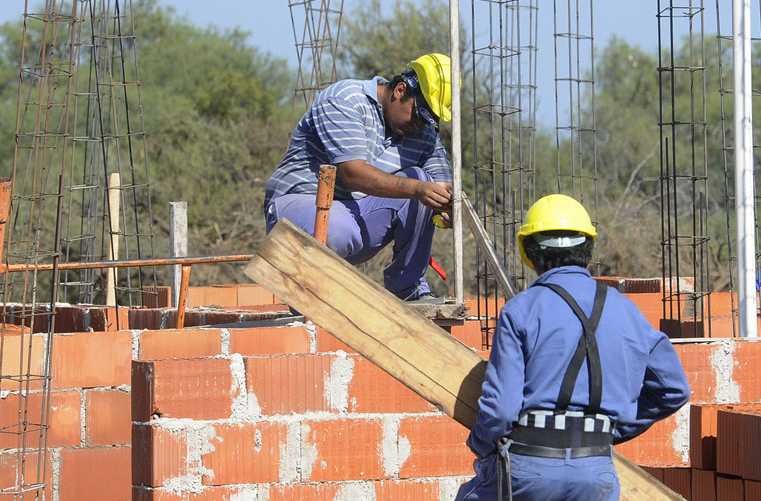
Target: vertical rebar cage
(79, 138)
(726, 96)
(684, 168)
(575, 127)
(316, 29)
(504, 145)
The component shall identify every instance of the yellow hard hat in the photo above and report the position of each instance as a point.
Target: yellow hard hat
(435, 77)
(554, 212)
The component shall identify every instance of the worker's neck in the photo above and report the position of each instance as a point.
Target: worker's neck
(384, 98)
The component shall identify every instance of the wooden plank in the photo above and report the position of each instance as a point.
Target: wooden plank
(484, 243)
(114, 209)
(317, 282)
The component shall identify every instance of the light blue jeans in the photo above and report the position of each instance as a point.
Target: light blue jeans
(545, 479)
(359, 229)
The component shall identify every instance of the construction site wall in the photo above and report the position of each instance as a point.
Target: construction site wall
(285, 413)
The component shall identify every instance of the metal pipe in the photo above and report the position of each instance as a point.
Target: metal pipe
(326, 185)
(183, 299)
(744, 169)
(128, 263)
(454, 37)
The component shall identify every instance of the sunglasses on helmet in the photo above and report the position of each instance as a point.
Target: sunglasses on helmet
(419, 104)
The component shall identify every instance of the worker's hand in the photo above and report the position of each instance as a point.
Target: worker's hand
(446, 217)
(433, 195)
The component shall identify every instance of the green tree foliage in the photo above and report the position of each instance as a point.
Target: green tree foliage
(217, 112)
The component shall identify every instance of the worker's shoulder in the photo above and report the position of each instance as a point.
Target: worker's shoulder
(350, 89)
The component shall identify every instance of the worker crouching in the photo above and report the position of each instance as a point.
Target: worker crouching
(574, 369)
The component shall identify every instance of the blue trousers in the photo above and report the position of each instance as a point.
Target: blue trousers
(359, 229)
(545, 479)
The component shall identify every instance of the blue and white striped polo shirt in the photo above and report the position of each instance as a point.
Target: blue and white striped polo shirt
(345, 123)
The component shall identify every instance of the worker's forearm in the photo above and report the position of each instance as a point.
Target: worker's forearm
(361, 176)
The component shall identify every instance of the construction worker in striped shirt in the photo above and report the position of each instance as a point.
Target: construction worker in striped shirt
(393, 172)
(574, 368)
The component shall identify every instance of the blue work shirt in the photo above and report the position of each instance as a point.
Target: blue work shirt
(345, 123)
(536, 336)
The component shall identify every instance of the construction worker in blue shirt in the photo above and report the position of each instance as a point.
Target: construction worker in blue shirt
(392, 169)
(574, 368)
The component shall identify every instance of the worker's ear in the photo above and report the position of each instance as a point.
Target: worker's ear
(399, 90)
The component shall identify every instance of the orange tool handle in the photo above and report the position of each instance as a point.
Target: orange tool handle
(326, 185)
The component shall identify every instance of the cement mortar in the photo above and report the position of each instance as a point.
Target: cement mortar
(356, 491)
(136, 344)
(337, 382)
(723, 363)
(247, 494)
(312, 331)
(258, 440)
(244, 407)
(55, 463)
(199, 436)
(225, 350)
(83, 418)
(449, 486)
(290, 453)
(395, 450)
(681, 436)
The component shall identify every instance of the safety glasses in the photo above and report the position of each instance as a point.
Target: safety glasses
(419, 104)
(422, 112)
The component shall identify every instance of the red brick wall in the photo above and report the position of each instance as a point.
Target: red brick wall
(290, 413)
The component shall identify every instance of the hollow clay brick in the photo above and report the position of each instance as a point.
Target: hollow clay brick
(9, 469)
(17, 361)
(697, 362)
(372, 390)
(92, 359)
(157, 297)
(328, 343)
(703, 485)
(289, 385)
(437, 447)
(679, 480)
(729, 489)
(409, 490)
(107, 417)
(337, 445)
(269, 340)
(703, 436)
(101, 474)
(244, 453)
(193, 389)
(109, 319)
(253, 294)
(64, 420)
(747, 367)
(180, 343)
(469, 333)
(158, 455)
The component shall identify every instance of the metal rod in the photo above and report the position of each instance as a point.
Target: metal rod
(454, 37)
(744, 169)
(183, 300)
(326, 185)
(127, 263)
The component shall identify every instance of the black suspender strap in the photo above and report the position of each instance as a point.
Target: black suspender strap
(587, 348)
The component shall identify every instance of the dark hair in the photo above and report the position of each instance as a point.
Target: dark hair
(547, 258)
(409, 92)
